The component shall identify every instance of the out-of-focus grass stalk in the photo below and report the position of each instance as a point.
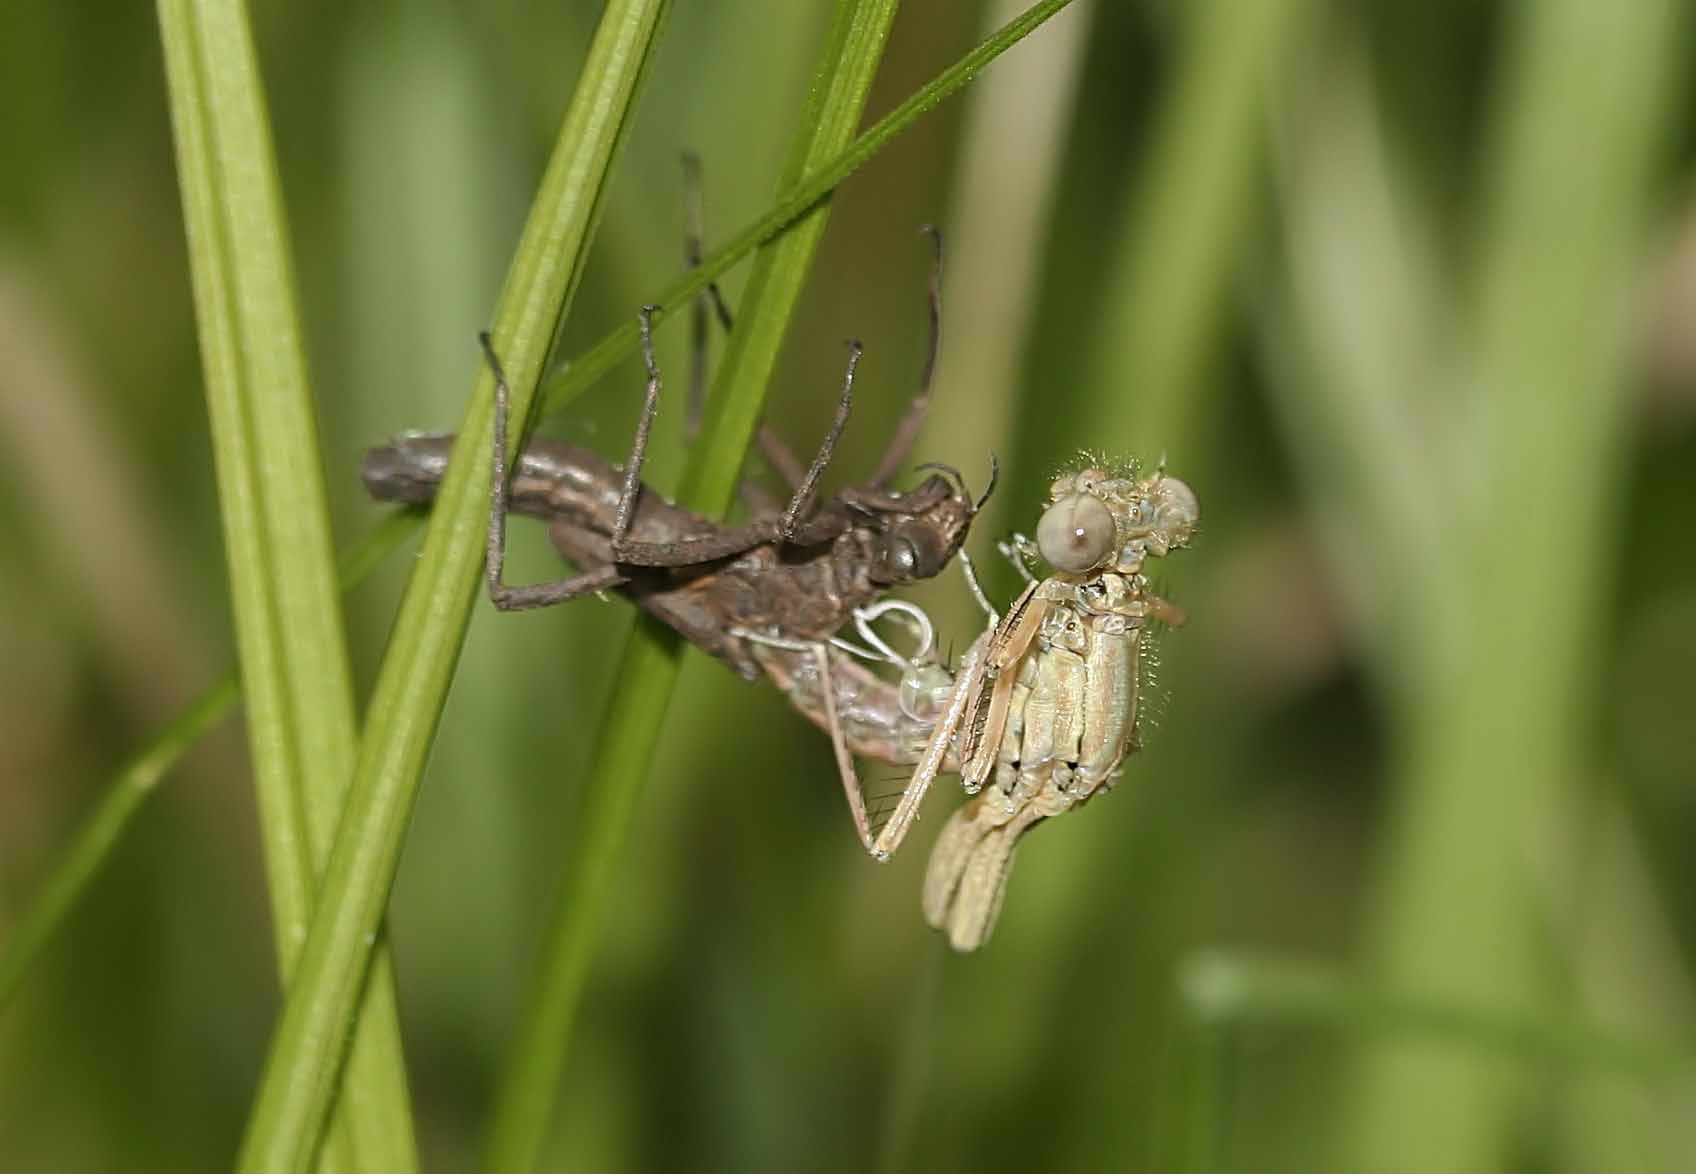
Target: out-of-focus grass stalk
(123, 796)
(100, 831)
(1349, 370)
(1488, 610)
(1224, 994)
(1493, 745)
(1206, 1099)
(1169, 270)
(301, 725)
(1010, 155)
(1245, 990)
(1626, 972)
(642, 688)
(300, 1072)
(1149, 341)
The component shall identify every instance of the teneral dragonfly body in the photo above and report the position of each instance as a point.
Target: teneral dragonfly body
(1045, 706)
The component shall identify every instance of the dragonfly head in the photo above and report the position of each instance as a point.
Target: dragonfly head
(1096, 521)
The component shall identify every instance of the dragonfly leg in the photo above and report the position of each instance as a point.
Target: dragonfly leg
(907, 431)
(809, 484)
(505, 596)
(1020, 551)
(935, 754)
(710, 304)
(850, 778)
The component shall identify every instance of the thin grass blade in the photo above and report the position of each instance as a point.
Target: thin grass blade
(300, 1072)
(104, 826)
(301, 725)
(636, 707)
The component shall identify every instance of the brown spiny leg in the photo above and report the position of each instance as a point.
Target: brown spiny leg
(517, 598)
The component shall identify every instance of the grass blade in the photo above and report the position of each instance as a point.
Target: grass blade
(1221, 988)
(1170, 271)
(1492, 772)
(301, 724)
(636, 707)
(1350, 408)
(1480, 663)
(103, 827)
(817, 184)
(300, 1071)
(1131, 320)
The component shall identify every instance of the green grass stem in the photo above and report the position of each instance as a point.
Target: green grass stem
(635, 711)
(301, 725)
(92, 844)
(1240, 990)
(299, 1079)
(1434, 449)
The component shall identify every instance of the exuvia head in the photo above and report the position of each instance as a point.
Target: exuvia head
(912, 549)
(1096, 521)
(919, 531)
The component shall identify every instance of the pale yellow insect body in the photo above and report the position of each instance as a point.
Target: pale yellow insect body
(1050, 700)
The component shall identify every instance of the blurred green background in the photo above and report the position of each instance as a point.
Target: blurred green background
(1403, 289)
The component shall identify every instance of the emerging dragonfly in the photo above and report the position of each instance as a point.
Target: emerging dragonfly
(767, 596)
(1045, 704)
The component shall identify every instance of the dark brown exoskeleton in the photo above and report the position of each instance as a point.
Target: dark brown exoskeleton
(766, 596)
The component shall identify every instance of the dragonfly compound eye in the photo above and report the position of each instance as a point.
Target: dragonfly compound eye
(1076, 533)
(1176, 511)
